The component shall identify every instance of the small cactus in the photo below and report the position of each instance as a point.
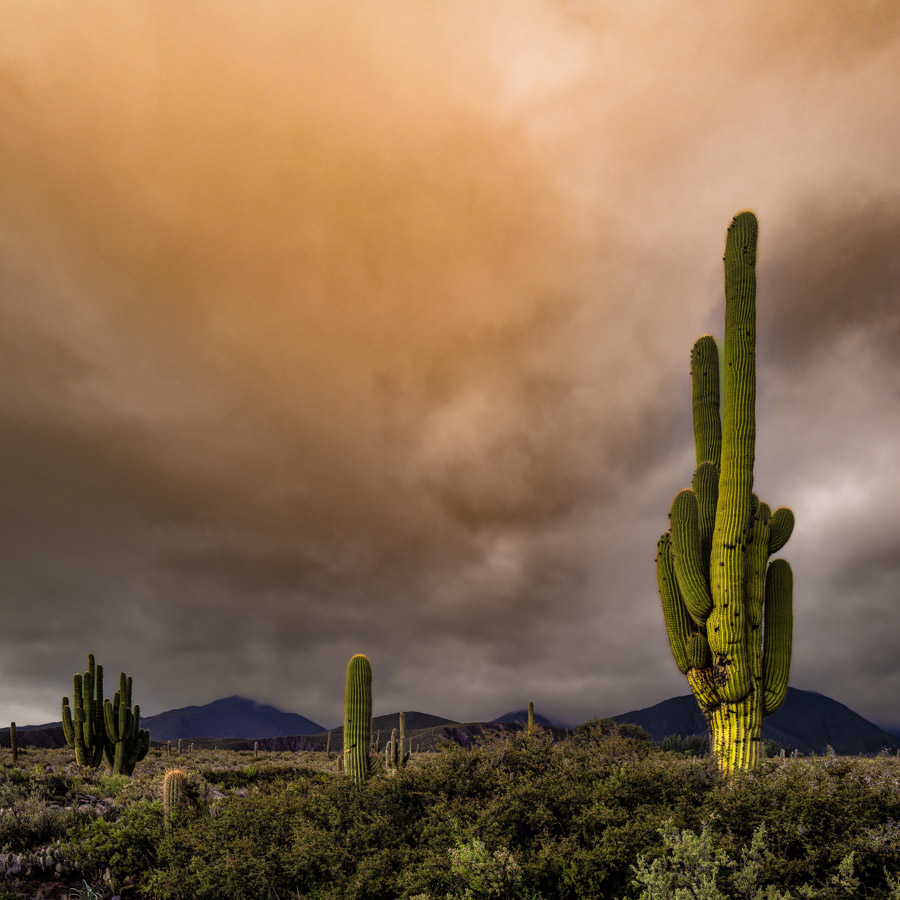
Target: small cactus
(14, 743)
(175, 799)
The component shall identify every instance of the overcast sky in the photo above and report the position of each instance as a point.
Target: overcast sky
(344, 327)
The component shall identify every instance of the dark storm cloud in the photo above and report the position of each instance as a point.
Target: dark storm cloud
(335, 329)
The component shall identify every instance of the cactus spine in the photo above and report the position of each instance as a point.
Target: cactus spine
(175, 799)
(358, 718)
(14, 743)
(129, 741)
(727, 609)
(84, 730)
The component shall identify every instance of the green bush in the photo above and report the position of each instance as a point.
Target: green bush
(603, 814)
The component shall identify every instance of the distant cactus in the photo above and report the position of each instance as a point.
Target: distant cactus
(358, 718)
(530, 716)
(328, 745)
(84, 731)
(396, 756)
(175, 799)
(129, 741)
(256, 749)
(727, 609)
(14, 743)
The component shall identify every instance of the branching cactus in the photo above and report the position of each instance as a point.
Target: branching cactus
(84, 730)
(358, 718)
(396, 756)
(727, 608)
(128, 740)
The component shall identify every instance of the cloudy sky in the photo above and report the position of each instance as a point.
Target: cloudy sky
(349, 327)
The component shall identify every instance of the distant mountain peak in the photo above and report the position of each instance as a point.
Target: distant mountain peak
(228, 717)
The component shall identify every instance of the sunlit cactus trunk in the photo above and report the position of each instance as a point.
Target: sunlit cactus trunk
(727, 608)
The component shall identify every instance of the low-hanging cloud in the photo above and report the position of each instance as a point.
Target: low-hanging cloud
(345, 328)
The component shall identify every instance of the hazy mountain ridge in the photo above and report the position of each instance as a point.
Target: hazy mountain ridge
(230, 717)
(807, 721)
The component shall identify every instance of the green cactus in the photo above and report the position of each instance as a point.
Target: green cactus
(358, 718)
(128, 741)
(14, 743)
(530, 716)
(727, 608)
(175, 797)
(396, 756)
(84, 730)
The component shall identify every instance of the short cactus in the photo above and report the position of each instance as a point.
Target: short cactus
(175, 797)
(727, 609)
(358, 718)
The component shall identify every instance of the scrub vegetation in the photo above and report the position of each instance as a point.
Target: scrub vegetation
(603, 813)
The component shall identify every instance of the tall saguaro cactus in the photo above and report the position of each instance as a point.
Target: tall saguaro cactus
(128, 740)
(727, 608)
(358, 718)
(84, 731)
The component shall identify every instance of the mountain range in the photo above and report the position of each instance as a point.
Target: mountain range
(806, 721)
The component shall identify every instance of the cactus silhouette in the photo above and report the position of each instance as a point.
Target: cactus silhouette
(727, 609)
(84, 730)
(14, 743)
(358, 718)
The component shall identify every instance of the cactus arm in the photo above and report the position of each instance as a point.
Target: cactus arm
(705, 397)
(68, 725)
(780, 528)
(688, 567)
(706, 488)
(675, 614)
(777, 634)
(698, 651)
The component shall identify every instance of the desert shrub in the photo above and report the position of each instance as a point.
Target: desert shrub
(120, 850)
(604, 814)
